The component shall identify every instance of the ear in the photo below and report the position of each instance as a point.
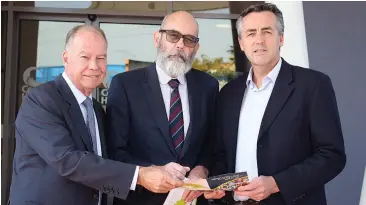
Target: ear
(240, 44)
(157, 36)
(282, 40)
(197, 47)
(65, 57)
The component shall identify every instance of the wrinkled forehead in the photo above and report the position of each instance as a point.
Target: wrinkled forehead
(259, 20)
(91, 43)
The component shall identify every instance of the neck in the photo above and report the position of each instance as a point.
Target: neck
(261, 71)
(86, 92)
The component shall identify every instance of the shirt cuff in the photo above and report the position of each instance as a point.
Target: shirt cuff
(134, 181)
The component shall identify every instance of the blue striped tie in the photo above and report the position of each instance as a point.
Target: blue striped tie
(90, 122)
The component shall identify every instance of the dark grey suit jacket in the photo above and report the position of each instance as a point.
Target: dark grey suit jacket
(54, 163)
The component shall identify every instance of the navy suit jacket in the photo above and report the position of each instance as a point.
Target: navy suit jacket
(138, 128)
(300, 141)
(53, 161)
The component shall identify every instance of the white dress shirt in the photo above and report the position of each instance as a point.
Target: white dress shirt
(252, 110)
(166, 91)
(80, 97)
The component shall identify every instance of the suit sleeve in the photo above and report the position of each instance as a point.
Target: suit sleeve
(41, 124)
(118, 124)
(326, 135)
(205, 158)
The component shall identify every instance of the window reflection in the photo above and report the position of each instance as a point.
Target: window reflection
(216, 53)
(130, 46)
(40, 59)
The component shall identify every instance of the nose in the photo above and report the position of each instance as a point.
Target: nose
(180, 44)
(259, 39)
(93, 65)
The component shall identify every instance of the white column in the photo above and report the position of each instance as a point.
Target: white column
(363, 192)
(295, 49)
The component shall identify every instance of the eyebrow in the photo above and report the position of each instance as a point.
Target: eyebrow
(180, 33)
(266, 28)
(101, 55)
(81, 52)
(262, 29)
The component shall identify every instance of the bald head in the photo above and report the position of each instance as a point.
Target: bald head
(180, 21)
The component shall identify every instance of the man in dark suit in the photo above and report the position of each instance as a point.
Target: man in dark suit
(162, 114)
(279, 122)
(60, 141)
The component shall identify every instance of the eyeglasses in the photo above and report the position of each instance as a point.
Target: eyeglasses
(174, 36)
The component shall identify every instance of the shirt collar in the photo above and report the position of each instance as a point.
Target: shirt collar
(165, 78)
(80, 97)
(272, 76)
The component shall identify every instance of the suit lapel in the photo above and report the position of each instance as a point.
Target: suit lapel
(233, 112)
(194, 100)
(74, 111)
(99, 113)
(155, 100)
(281, 92)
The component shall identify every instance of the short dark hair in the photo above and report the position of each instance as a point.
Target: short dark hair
(260, 8)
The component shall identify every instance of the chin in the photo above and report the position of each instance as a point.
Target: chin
(261, 62)
(91, 85)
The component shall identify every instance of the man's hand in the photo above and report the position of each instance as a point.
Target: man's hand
(216, 194)
(156, 179)
(199, 172)
(176, 170)
(259, 188)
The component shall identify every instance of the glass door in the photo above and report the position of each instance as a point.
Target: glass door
(130, 46)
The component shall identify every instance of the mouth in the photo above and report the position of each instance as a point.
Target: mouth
(176, 57)
(260, 51)
(93, 77)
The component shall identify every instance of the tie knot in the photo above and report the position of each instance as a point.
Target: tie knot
(88, 103)
(174, 83)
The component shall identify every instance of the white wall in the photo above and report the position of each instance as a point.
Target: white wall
(294, 50)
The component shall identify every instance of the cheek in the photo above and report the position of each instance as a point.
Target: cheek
(162, 46)
(246, 47)
(102, 65)
(188, 52)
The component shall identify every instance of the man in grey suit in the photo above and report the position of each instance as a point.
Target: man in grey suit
(60, 143)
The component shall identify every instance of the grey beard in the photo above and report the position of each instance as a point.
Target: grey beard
(173, 68)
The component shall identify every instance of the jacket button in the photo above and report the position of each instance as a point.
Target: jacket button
(96, 196)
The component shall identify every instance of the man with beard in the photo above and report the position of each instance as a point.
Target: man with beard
(162, 114)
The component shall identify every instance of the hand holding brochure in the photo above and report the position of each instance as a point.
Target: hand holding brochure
(226, 182)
